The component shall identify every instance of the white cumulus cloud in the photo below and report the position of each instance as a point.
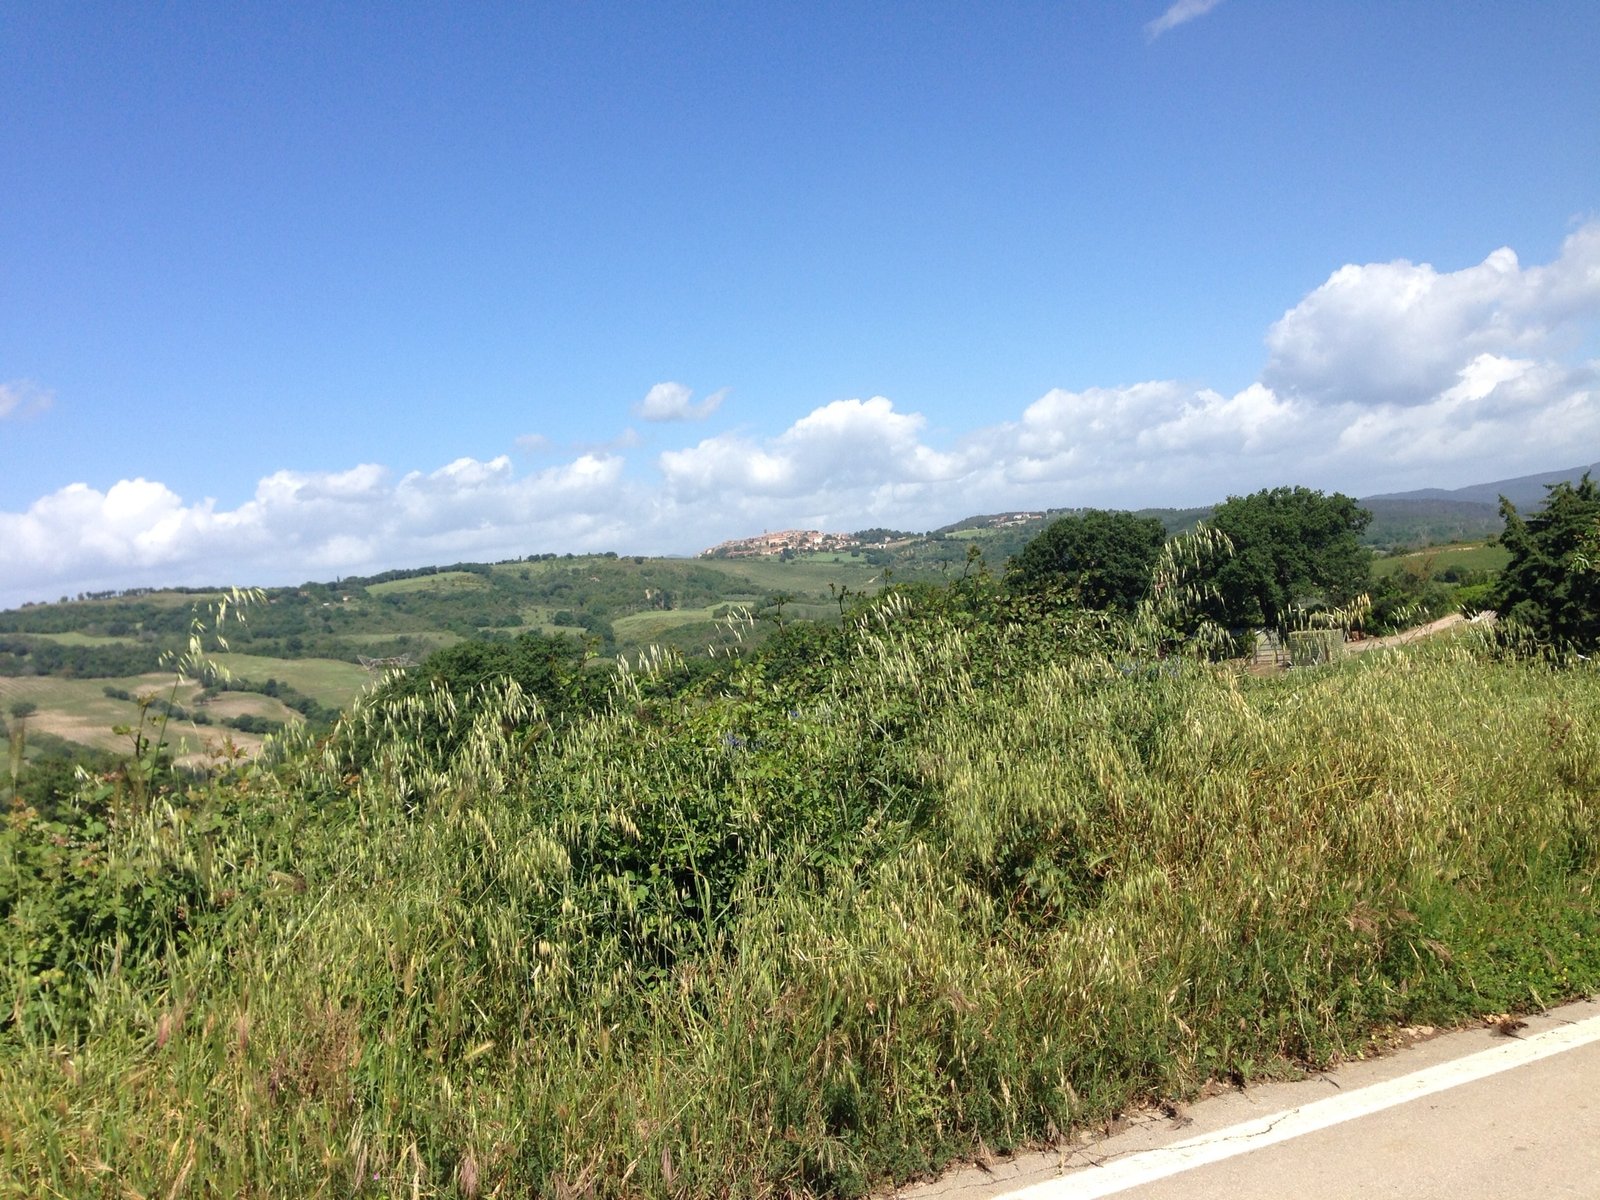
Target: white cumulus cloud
(1399, 332)
(845, 458)
(301, 525)
(674, 402)
(1545, 414)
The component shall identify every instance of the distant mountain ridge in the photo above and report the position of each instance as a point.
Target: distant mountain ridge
(1400, 520)
(1525, 491)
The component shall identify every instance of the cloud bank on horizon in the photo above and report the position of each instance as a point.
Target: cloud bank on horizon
(1388, 375)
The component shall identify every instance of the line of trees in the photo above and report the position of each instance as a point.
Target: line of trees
(1293, 549)
(24, 655)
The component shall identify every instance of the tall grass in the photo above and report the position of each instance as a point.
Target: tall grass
(969, 887)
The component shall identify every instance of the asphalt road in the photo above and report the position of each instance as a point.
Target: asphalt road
(1467, 1115)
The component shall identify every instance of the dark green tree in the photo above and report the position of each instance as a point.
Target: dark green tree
(1293, 547)
(1102, 558)
(1551, 586)
(549, 668)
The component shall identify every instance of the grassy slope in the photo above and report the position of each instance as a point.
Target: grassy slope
(1014, 894)
(80, 711)
(435, 638)
(1471, 556)
(444, 581)
(74, 638)
(324, 680)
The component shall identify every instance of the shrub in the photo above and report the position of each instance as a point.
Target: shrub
(1551, 587)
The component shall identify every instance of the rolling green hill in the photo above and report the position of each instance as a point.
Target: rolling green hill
(311, 640)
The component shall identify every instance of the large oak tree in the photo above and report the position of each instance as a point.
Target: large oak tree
(1103, 559)
(1293, 547)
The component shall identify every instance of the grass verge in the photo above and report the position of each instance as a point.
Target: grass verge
(957, 888)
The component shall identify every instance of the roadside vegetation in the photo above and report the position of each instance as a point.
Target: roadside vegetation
(964, 870)
(832, 904)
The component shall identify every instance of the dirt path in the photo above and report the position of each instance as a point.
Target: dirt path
(1419, 632)
(1408, 635)
(1405, 637)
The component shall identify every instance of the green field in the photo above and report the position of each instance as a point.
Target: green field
(79, 711)
(433, 638)
(1471, 556)
(238, 704)
(74, 638)
(804, 576)
(543, 566)
(324, 680)
(642, 629)
(444, 581)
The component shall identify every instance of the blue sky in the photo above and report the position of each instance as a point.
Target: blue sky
(288, 292)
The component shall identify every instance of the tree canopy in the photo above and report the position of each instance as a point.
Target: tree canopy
(1292, 547)
(1105, 558)
(552, 670)
(1551, 586)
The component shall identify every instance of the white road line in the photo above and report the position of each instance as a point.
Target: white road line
(1151, 1165)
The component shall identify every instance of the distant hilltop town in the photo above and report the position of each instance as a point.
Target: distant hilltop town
(812, 541)
(795, 541)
